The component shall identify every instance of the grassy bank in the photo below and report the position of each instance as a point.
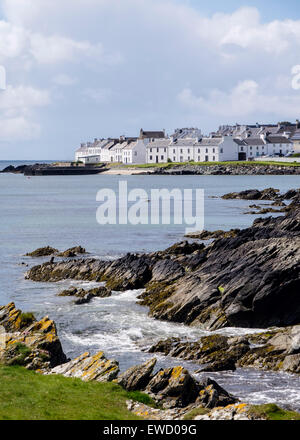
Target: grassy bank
(271, 411)
(232, 163)
(25, 395)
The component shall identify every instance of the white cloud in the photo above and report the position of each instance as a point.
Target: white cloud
(245, 99)
(227, 65)
(17, 107)
(18, 129)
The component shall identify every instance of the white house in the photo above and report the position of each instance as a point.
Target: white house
(216, 149)
(264, 145)
(296, 141)
(158, 151)
(134, 152)
(91, 152)
(212, 149)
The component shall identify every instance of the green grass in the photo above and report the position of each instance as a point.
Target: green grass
(234, 163)
(26, 395)
(196, 412)
(271, 411)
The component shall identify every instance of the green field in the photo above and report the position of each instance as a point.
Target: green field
(26, 395)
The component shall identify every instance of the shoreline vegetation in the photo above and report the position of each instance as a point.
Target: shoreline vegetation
(246, 278)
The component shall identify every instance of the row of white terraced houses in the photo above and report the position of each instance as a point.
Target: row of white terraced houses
(185, 145)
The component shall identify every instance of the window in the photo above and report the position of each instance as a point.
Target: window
(189, 158)
(150, 158)
(214, 158)
(198, 150)
(181, 151)
(188, 151)
(242, 148)
(174, 151)
(150, 150)
(221, 150)
(158, 150)
(135, 153)
(199, 159)
(165, 150)
(174, 159)
(162, 157)
(214, 150)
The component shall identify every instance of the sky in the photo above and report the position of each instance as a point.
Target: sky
(83, 69)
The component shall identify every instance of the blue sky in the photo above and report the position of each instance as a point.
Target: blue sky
(82, 69)
(269, 9)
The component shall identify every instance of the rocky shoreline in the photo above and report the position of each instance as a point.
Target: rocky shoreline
(176, 393)
(246, 278)
(255, 169)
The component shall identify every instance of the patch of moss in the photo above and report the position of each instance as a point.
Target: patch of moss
(138, 396)
(271, 411)
(20, 353)
(26, 319)
(156, 295)
(196, 412)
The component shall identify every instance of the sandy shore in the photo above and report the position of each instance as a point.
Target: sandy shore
(127, 171)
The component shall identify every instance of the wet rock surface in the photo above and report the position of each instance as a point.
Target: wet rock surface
(50, 251)
(276, 349)
(270, 194)
(85, 296)
(249, 280)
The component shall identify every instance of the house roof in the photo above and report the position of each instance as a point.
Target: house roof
(210, 142)
(254, 141)
(159, 143)
(184, 142)
(278, 140)
(151, 134)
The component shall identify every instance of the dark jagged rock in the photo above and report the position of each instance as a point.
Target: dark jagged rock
(72, 252)
(276, 349)
(47, 251)
(137, 378)
(28, 342)
(42, 252)
(253, 169)
(254, 194)
(212, 395)
(208, 235)
(173, 387)
(85, 296)
(249, 280)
